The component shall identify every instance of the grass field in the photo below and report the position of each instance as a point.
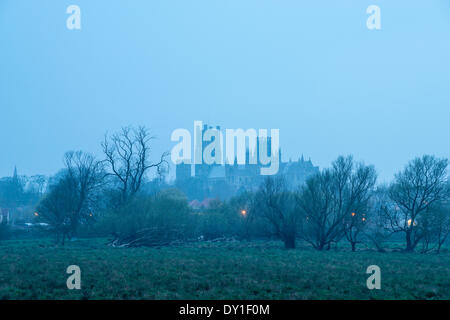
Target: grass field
(232, 270)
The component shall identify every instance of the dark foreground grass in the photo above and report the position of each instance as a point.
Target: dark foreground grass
(236, 270)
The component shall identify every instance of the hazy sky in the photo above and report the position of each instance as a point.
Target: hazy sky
(310, 68)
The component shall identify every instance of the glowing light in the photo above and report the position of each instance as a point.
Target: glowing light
(409, 223)
(36, 214)
(363, 219)
(353, 214)
(244, 212)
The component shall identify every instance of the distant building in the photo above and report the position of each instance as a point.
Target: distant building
(224, 181)
(4, 216)
(183, 171)
(205, 204)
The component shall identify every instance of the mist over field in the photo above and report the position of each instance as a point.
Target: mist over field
(224, 150)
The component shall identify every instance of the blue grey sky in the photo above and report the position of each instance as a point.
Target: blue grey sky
(310, 68)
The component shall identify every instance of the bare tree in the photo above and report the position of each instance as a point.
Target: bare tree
(360, 190)
(442, 223)
(278, 206)
(420, 185)
(434, 225)
(128, 157)
(73, 195)
(334, 203)
(320, 225)
(377, 228)
(38, 184)
(87, 175)
(57, 208)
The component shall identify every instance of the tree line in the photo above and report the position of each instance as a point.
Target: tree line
(113, 197)
(344, 203)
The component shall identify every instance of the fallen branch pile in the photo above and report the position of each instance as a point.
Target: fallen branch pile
(151, 237)
(158, 237)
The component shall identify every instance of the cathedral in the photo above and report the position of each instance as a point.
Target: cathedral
(225, 181)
